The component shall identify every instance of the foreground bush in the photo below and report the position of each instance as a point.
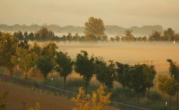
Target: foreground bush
(97, 101)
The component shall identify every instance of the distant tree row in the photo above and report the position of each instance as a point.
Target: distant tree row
(109, 29)
(94, 31)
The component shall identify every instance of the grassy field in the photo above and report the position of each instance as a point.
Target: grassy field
(22, 98)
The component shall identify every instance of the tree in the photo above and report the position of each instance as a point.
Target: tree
(149, 71)
(84, 65)
(8, 44)
(94, 27)
(110, 76)
(36, 49)
(44, 34)
(19, 35)
(155, 36)
(100, 70)
(174, 72)
(46, 60)
(117, 38)
(97, 101)
(0, 33)
(26, 36)
(69, 37)
(128, 35)
(169, 34)
(123, 74)
(64, 65)
(45, 65)
(105, 73)
(167, 85)
(49, 50)
(31, 36)
(24, 59)
(137, 80)
(76, 37)
(23, 44)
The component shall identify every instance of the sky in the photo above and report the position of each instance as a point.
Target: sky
(124, 13)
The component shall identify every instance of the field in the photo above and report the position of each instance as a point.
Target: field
(128, 52)
(21, 97)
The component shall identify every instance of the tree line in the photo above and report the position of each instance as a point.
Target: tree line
(95, 31)
(109, 29)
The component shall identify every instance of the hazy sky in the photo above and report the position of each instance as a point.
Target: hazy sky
(125, 13)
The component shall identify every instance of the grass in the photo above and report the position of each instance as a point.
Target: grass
(23, 97)
(118, 95)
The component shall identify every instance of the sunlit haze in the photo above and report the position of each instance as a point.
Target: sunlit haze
(125, 13)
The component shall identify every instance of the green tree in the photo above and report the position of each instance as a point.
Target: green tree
(117, 38)
(26, 36)
(169, 34)
(150, 72)
(110, 75)
(23, 44)
(167, 85)
(128, 35)
(64, 65)
(19, 35)
(69, 37)
(36, 48)
(100, 70)
(105, 73)
(94, 27)
(137, 80)
(31, 36)
(45, 65)
(8, 44)
(176, 37)
(174, 72)
(123, 74)
(85, 66)
(155, 36)
(49, 50)
(76, 37)
(44, 34)
(46, 61)
(24, 59)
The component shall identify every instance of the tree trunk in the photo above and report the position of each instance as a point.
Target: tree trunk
(10, 73)
(65, 83)
(138, 102)
(83, 81)
(177, 100)
(26, 76)
(86, 89)
(170, 102)
(148, 94)
(110, 89)
(45, 80)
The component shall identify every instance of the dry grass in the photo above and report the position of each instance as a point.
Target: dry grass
(19, 96)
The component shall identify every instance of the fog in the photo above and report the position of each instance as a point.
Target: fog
(128, 52)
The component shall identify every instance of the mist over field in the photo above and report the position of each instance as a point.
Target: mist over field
(127, 52)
